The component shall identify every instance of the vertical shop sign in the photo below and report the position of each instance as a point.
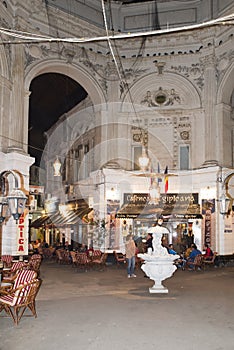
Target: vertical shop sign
(112, 209)
(208, 207)
(21, 240)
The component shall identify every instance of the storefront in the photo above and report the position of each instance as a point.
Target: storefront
(63, 223)
(181, 213)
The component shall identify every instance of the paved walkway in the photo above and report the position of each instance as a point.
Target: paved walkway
(101, 310)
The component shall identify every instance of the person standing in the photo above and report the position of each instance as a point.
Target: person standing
(149, 240)
(130, 250)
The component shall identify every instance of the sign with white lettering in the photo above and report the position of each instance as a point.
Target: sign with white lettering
(165, 198)
(22, 238)
(208, 208)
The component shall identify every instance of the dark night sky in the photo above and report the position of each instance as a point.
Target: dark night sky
(51, 96)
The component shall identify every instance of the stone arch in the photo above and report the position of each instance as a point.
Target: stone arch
(226, 86)
(77, 73)
(184, 88)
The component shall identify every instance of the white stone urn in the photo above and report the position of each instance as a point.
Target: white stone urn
(158, 263)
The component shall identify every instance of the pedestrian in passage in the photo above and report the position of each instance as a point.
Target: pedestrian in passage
(130, 250)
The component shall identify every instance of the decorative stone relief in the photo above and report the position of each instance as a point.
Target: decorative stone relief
(139, 135)
(194, 72)
(161, 97)
(223, 63)
(184, 128)
(160, 66)
(184, 135)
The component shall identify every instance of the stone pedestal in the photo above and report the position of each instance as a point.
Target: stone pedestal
(158, 271)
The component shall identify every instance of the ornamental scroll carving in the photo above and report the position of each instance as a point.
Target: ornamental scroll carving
(161, 97)
(194, 72)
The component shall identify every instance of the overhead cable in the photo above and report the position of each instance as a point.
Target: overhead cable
(29, 37)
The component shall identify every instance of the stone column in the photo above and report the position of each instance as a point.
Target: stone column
(209, 100)
(12, 232)
(17, 121)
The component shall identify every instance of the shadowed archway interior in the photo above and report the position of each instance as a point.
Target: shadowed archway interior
(52, 95)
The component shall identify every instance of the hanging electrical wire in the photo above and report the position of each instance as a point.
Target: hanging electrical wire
(123, 81)
(109, 42)
(29, 37)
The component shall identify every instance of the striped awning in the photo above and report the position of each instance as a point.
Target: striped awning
(71, 217)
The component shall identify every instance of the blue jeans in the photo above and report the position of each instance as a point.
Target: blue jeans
(131, 265)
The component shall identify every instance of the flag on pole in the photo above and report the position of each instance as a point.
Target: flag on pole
(159, 178)
(166, 179)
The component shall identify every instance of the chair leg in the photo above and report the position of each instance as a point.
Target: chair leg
(10, 313)
(19, 313)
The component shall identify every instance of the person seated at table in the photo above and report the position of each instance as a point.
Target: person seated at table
(208, 253)
(188, 250)
(67, 246)
(195, 251)
(180, 262)
(90, 251)
(30, 248)
(171, 250)
(36, 246)
(82, 248)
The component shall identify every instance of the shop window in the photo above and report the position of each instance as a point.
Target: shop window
(184, 157)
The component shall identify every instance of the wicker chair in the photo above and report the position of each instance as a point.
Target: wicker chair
(74, 258)
(210, 262)
(10, 275)
(16, 301)
(83, 261)
(197, 264)
(100, 262)
(119, 258)
(7, 260)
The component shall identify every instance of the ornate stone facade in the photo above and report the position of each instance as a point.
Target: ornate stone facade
(177, 87)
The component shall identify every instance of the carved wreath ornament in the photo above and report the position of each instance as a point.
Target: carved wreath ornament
(161, 98)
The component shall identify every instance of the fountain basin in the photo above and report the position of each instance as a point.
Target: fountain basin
(158, 268)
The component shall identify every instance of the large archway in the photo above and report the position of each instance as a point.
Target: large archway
(55, 89)
(52, 95)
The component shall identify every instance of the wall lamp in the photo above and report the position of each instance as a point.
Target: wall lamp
(224, 203)
(14, 202)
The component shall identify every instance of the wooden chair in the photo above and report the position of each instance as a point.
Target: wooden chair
(210, 262)
(16, 301)
(59, 256)
(36, 257)
(119, 258)
(21, 276)
(9, 276)
(96, 254)
(7, 260)
(34, 264)
(196, 264)
(48, 253)
(100, 262)
(83, 261)
(74, 259)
